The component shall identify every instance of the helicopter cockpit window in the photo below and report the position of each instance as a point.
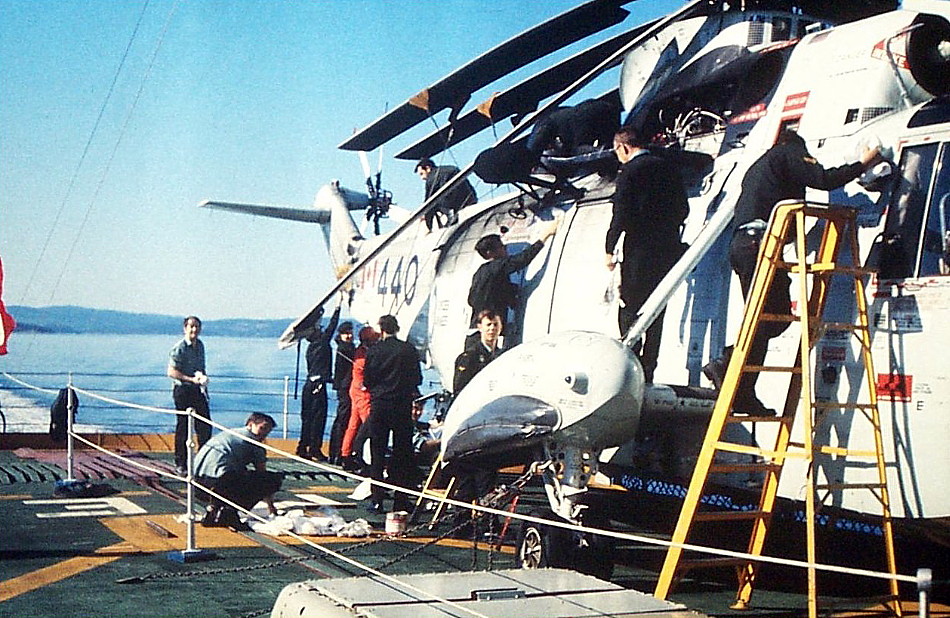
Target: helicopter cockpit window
(935, 249)
(902, 231)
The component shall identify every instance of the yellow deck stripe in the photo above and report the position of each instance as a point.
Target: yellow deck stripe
(325, 489)
(61, 570)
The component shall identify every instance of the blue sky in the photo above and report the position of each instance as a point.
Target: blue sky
(244, 101)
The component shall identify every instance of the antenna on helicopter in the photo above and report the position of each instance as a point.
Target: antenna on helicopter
(379, 199)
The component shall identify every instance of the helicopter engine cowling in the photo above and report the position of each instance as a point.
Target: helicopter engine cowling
(572, 388)
(882, 64)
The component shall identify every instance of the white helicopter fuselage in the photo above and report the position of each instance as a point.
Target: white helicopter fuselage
(841, 88)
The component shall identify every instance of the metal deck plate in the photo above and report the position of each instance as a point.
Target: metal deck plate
(553, 593)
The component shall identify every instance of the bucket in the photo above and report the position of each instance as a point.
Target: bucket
(396, 522)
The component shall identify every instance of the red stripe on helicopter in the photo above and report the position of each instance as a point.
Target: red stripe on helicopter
(796, 101)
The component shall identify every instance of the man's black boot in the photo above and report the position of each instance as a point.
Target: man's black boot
(715, 370)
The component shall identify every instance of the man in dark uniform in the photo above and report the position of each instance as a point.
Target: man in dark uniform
(491, 287)
(473, 481)
(313, 404)
(448, 205)
(782, 173)
(342, 377)
(392, 377)
(650, 206)
(474, 358)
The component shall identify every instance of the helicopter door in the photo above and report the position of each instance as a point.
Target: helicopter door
(917, 231)
(585, 292)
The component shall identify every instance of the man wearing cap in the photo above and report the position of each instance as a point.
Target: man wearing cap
(342, 376)
(392, 376)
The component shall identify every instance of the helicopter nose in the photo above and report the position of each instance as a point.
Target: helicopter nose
(502, 425)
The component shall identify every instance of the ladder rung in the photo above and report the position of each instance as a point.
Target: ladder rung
(744, 449)
(837, 486)
(844, 452)
(745, 418)
(744, 467)
(835, 450)
(730, 515)
(824, 268)
(837, 269)
(842, 326)
(712, 563)
(772, 368)
(838, 405)
(778, 317)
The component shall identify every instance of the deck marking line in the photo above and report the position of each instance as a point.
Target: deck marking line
(326, 489)
(320, 500)
(91, 507)
(61, 570)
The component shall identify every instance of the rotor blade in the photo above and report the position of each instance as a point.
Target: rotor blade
(307, 215)
(364, 160)
(551, 35)
(293, 332)
(519, 99)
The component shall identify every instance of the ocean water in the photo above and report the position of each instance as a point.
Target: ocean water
(246, 375)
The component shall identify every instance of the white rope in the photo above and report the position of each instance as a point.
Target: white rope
(483, 509)
(29, 386)
(127, 460)
(127, 404)
(337, 555)
(611, 533)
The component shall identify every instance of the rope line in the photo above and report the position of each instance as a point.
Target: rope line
(625, 536)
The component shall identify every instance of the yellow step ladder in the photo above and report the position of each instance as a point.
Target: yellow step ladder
(839, 238)
(429, 492)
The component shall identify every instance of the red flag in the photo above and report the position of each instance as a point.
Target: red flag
(8, 322)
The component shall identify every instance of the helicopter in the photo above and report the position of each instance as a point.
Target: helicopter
(715, 85)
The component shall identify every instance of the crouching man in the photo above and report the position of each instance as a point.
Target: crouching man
(222, 466)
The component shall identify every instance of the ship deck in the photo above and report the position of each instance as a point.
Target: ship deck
(119, 553)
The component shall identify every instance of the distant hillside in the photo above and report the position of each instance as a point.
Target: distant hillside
(81, 320)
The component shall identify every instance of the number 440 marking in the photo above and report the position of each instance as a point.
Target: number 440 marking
(401, 282)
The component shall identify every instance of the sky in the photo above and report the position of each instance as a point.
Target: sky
(118, 118)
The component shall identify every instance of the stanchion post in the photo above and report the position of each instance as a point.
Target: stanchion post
(286, 404)
(190, 553)
(70, 413)
(190, 476)
(924, 585)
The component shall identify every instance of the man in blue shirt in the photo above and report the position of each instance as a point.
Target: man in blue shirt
(222, 467)
(186, 368)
